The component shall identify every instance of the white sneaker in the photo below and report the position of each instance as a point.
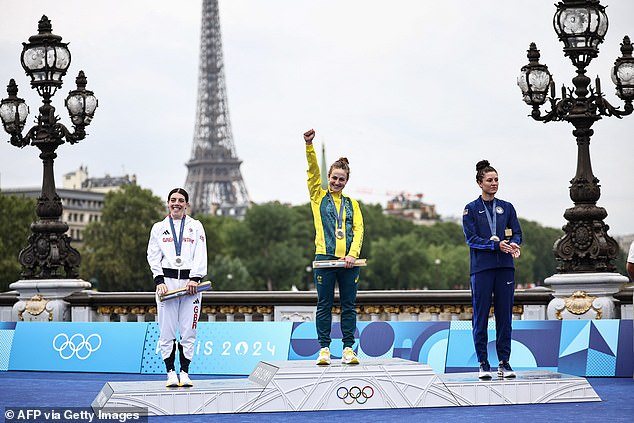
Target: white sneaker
(172, 379)
(349, 356)
(185, 380)
(324, 357)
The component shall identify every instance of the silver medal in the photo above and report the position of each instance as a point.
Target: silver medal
(178, 262)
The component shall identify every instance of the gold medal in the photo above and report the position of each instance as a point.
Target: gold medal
(178, 262)
(339, 233)
(494, 238)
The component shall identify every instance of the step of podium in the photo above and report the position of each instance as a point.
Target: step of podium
(300, 385)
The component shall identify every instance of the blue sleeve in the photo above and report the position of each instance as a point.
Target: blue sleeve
(469, 227)
(514, 224)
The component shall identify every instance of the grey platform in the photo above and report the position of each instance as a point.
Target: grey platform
(376, 383)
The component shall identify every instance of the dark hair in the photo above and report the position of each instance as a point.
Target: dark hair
(180, 191)
(482, 167)
(341, 163)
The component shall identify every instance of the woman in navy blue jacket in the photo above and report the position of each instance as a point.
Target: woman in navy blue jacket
(494, 235)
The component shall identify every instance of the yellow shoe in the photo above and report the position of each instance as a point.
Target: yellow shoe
(324, 357)
(349, 356)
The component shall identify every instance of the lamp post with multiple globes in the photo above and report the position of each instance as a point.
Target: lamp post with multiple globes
(585, 252)
(45, 58)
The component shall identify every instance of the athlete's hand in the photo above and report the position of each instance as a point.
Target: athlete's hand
(309, 136)
(505, 247)
(192, 287)
(161, 289)
(349, 262)
(515, 250)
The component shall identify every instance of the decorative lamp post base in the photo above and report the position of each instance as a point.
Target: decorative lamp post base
(584, 296)
(49, 251)
(43, 300)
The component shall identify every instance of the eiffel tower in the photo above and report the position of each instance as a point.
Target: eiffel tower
(214, 180)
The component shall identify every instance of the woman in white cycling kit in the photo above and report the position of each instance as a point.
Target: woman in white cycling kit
(177, 255)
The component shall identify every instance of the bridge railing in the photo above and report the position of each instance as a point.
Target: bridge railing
(388, 305)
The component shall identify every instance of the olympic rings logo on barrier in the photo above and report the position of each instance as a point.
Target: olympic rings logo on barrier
(77, 345)
(355, 393)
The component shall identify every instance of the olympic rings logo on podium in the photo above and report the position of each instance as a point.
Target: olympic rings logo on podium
(77, 345)
(355, 393)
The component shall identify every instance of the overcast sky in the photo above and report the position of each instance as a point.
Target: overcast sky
(413, 92)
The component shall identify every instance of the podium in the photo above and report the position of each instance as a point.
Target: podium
(300, 385)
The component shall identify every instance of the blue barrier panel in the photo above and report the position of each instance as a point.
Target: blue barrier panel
(425, 342)
(578, 347)
(78, 347)
(6, 340)
(625, 349)
(528, 349)
(591, 348)
(225, 348)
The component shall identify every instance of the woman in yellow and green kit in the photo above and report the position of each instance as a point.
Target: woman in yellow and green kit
(338, 236)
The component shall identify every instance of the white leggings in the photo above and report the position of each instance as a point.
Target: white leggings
(180, 313)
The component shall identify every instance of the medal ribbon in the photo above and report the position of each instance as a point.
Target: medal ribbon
(492, 220)
(178, 243)
(339, 216)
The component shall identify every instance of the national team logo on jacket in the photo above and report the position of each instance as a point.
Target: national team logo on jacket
(499, 210)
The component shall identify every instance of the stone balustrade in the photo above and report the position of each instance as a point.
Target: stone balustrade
(392, 305)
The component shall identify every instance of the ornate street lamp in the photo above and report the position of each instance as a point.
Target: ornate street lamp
(586, 246)
(45, 59)
(581, 26)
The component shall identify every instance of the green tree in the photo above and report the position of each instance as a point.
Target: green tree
(16, 215)
(229, 274)
(377, 225)
(115, 248)
(441, 233)
(538, 242)
(621, 261)
(273, 243)
(449, 266)
(219, 231)
(402, 263)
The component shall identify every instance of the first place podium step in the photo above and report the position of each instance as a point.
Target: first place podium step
(300, 385)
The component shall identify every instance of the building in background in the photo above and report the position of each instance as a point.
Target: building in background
(79, 180)
(82, 198)
(412, 208)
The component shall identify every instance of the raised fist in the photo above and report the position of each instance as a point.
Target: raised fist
(309, 135)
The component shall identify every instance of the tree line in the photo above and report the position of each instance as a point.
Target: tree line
(272, 248)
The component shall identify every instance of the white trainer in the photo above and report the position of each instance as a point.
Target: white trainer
(185, 380)
(349, 356)
(172, 379)
(324, 357)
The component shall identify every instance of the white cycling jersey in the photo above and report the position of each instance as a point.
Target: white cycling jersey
(161, 251)
(179, 314)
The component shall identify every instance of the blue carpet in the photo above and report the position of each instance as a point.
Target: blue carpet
(65, 390)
